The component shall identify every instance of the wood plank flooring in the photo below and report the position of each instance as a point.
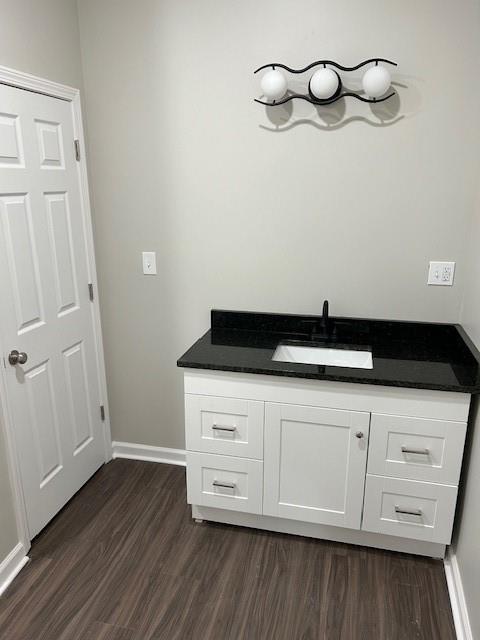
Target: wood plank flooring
(125, 561)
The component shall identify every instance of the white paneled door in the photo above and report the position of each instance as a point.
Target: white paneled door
(46, 314)
(315, 462)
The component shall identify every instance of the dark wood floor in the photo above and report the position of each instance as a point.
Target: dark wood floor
(124, 561)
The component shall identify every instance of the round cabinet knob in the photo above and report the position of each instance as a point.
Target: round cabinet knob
(359, 434)
(17, 357)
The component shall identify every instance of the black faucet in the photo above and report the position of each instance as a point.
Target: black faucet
(321, 329)
(325, 319)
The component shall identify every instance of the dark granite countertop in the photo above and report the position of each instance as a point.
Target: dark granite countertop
(405, 354)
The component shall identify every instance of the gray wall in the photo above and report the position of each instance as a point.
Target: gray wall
(245, 218)
(40, 38)
(467, 545)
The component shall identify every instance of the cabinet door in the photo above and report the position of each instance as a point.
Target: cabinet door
(315, 464)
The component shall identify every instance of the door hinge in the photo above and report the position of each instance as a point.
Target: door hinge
(77, 150)
(102, 413)
(90, 291)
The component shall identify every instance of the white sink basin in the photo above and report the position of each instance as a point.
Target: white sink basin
(324, 355)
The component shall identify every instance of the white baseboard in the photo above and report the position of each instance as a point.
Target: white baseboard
(457, 597)
(11, 566)
(133, 451)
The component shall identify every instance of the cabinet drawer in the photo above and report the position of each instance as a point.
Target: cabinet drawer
(224, 425)
(416, 448)
(409, 509)
(224, 482)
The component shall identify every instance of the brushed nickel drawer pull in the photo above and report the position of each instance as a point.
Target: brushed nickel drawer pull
(226, 485)
(417, 450)
(409, 512)
(223, 427)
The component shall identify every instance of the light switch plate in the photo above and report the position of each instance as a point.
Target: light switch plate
(441, 273)
(149, 261)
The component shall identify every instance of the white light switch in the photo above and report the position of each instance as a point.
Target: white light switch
(149, 259)
(441, 273)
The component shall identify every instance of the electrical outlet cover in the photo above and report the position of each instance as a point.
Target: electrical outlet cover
(441, 273)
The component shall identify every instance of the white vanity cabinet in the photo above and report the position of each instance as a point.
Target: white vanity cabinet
(364, 464)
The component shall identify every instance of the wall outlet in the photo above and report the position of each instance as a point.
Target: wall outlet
(441, 273)
(149, 261)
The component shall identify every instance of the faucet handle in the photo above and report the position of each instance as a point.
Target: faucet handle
(309, 321)
(310, 324)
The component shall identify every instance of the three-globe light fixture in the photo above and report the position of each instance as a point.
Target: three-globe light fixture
(325, 85)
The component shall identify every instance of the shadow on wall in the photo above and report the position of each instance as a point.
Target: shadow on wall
(332, 117)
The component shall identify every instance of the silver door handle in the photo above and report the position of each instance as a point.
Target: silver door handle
(222, 427)
(417, 450)
(17, 357)
(226, 485)
(409, 512)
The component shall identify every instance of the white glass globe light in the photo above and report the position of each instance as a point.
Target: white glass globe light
(376, 82)
(274, 85)
(324, 84)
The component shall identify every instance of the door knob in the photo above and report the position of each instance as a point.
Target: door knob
(17, 357)
(359, 434)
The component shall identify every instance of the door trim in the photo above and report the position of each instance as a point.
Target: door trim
(28, 82)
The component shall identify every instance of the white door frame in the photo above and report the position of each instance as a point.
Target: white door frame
(28, 82)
